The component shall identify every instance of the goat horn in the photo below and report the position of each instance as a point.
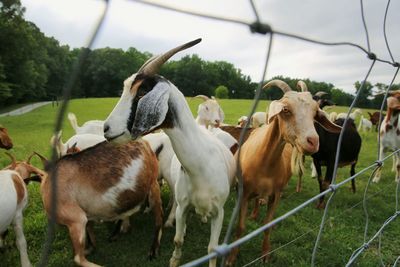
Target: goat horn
(151, 66)
(44, 160)
(302, 86)
(13, 160)
(30, 157)
(204, 97)
(320, 93)
(280, 84)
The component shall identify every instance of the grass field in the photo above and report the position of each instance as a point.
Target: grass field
(293, 238)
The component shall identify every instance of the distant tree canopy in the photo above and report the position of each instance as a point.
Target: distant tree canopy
(222, 92)
(34, 67)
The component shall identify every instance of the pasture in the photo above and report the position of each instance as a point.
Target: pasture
(292, 240)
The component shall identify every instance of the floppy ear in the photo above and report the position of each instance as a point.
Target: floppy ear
(151, 111)
(323, 120)
(274, 109)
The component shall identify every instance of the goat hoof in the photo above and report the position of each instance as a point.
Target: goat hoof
(321, 205)
(174, 262)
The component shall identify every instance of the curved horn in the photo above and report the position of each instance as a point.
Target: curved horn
(302, 86)
(13, 160)
(280, 84)
(43, 159)
(320, 93)
(204, 97)
(30, 157)
(151, 66)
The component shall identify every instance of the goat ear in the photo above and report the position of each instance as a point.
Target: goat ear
(274, 109)
(221, 114)
(151, 111)
(393, 103)
(323, 120)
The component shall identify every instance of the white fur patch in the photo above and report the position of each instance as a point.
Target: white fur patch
(126, 182)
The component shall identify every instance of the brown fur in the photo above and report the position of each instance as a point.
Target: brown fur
(19, 188)
(84, 177)
(5, 140)
(259, 168)
(235, 131)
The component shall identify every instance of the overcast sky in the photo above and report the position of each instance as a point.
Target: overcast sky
(131, 24)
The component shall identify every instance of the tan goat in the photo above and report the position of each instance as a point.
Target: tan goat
(105, 182)
(265, 157)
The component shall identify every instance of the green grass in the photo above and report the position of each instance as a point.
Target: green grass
(343, 232)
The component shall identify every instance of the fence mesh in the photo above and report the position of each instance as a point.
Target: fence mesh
(258, 27)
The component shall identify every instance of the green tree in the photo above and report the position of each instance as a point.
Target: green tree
(365, 95)
(222, 92)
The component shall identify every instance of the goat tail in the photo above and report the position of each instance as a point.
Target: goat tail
(297, 162)
(72, 119)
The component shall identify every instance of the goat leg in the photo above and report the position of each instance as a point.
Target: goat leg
(155, 203)
(353, 181)
(115, 233)
(273, 201)
(239, 231)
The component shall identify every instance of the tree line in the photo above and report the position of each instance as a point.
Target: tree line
(34, 67)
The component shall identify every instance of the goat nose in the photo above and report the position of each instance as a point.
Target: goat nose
(313, 141)
(106, 128)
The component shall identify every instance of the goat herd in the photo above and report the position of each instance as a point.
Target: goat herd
(106, 172)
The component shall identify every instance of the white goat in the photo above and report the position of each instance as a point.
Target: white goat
(107, 182)
(13, 200)
(365, 125)
(333, 116)
(390, 132)
(352, 115)
(80, 141)
(242, 121)
(209, 112)
(92, 126)
(258, 119)
(208, 166)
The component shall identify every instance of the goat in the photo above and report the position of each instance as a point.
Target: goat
(390, 132)
(258, 119)
(333, 116)
(209, 112)
(105, 182)
(5, 140)
(349, 151)
(365, 125)
(242, 121)
(265, 157)
(13, 200)
(352, 115)
(328, 142)
(79, 141)
(149, 102)
(374, 118)
(89, 127)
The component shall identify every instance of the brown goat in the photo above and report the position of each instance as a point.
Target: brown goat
(265, 157)
(5, 140)
(106, 182)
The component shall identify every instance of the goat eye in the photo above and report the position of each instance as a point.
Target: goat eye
(285, 109)
(207, 108)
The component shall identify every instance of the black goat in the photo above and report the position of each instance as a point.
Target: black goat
(349, 150)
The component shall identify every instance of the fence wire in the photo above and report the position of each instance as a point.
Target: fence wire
(259, 27)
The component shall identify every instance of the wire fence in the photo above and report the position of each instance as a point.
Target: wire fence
(258, 27)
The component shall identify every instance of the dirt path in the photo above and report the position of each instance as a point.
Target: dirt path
(25, 109)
